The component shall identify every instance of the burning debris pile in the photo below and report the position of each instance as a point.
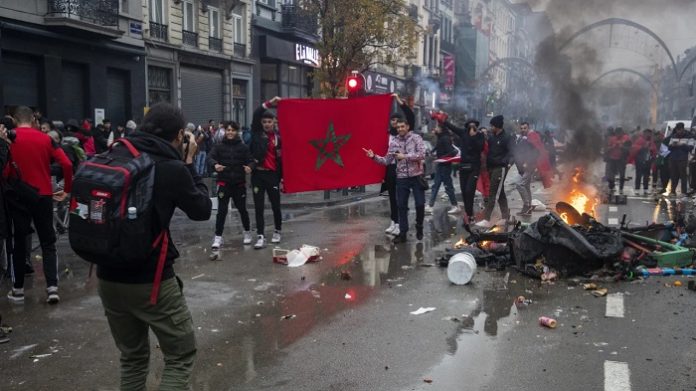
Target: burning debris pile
(568, 243)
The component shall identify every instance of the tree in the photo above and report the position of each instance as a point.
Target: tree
(358, 34)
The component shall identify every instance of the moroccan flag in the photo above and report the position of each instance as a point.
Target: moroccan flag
(323, 141)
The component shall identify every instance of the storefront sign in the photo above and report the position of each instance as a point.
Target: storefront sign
(307, 55)
(99, 115)
(449, 70)
(378, 83)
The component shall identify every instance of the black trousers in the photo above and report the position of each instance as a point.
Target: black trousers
(467, 184)
(678, 173)
(643, 175)
(614, 168)
(390, 186)
(262, 183)
(238, 195)
(665, 173)
(41, 214)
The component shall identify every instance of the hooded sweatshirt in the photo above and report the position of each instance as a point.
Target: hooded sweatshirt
(177, 185)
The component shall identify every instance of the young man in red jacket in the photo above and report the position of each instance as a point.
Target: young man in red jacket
(31, 155)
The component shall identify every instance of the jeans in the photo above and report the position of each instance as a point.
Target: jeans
(41, 214)
(443, 175)
(263, 182)
(238, 195)
(404, 187)
(201, 163)
(130, 315)
(643, 175)
(497, 175)
(678, 174)
(524, 187)
(467, 182)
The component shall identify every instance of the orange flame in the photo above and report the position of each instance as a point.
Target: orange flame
(579, 200)
(461, 243)
(564, 216)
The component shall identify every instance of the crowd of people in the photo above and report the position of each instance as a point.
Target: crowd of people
(40, 157)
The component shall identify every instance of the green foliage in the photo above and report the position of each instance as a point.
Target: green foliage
(358, 34)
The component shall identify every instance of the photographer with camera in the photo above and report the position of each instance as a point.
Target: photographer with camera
(30, 198)
(126, 293)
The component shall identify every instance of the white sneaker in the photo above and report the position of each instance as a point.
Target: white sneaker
(428, 209)
(53, 297)
(454, 210)
(16, 295)
(276, 237)
(247, 237)
(391, 227)
(217, 242)
(396, 231)
(483, 224)
(260, 242)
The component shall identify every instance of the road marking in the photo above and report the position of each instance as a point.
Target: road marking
(613, 209)
(613, 221)
(615, 305)
(617, 376)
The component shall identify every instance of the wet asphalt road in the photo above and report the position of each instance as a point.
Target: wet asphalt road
(358, 334)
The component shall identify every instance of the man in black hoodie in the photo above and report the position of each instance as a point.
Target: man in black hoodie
(125, 294)
(500, 155)
(266, 177)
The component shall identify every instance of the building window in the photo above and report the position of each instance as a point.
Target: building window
(239, 30)
(239, 101)
(157, 11)
(214, 15)
(159, 85)
(124, 6)
(189, 15)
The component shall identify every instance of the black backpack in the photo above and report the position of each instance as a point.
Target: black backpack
(104, 229)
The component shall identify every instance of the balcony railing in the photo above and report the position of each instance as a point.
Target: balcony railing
(190, 38)
(215, 44)
(239, 50)
(159, 31)
(98, 12)
(295, 18)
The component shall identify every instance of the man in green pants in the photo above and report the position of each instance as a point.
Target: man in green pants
(125, 293)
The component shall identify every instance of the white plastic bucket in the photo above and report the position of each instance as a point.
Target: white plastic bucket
(461, 268)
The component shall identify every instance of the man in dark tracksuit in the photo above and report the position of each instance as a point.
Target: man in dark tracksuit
(500, 148)
(471, 145)
(125, 293)
(680, 145)
(231, 160)
(266, 177)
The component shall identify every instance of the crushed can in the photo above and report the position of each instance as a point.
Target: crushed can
(548, 322)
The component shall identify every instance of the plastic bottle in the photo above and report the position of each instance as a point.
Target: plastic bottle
(132, 213)
(547, 322)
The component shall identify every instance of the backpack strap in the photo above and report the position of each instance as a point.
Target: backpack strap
(164, 239)
(128, 145)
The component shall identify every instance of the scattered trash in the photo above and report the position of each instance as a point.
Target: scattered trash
(677, 283)
(461, 268)
(287, 317)
(295, 258)
(549, 276)
(345, 275)
(40, 355)
(547, 322)
(590, 286)
(428, 380)
(601, 292)
(423, 310)
(406, 267)
(522, 301)
(316, 294)
(348, 296)
(198, 276)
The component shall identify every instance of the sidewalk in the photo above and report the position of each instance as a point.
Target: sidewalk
(311, 198)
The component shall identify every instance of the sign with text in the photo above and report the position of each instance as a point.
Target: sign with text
(307, 55)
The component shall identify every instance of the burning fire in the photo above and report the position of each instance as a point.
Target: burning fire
(461, 243)
(581, 195)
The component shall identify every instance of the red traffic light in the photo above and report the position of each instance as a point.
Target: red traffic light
(355, 84)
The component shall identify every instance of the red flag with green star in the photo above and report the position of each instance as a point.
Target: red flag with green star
(323, 140)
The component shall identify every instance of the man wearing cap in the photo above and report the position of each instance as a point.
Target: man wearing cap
(500, 148)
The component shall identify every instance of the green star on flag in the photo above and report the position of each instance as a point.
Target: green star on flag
(331, 139)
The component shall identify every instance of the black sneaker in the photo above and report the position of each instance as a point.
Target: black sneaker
(28, 268)
(400, 238)
(419, 232)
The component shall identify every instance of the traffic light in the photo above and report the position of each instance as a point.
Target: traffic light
(355, 84)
